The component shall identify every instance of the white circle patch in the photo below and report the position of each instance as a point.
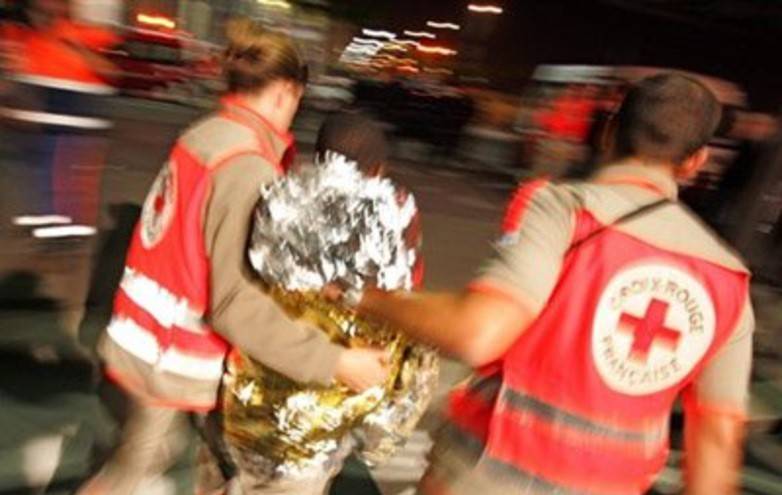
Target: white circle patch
(158, 209)
(652, 326)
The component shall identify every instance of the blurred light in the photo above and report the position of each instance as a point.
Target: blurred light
(443, 25)
(395, 47)
(378, 34)
(437, 50)
(367, 41)
(407, 42)
(156, 20)
(409, 68)
(66, 231)
(485, 9)
(420, 34)
(38, 220)
(362, 49)
(446, 72)
(280, 4)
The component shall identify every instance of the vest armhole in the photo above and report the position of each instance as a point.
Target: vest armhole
(225, 158)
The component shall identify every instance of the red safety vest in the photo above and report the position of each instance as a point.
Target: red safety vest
(164, 294)
(581, 402)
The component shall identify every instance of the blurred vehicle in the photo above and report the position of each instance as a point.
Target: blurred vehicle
(565, 108)
(149, 62)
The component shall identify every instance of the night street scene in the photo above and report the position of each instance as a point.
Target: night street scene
(381, 247)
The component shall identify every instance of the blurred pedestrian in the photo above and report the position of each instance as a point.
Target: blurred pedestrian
(187, 293)
(605, 302)
(53, 106)
(61, 82)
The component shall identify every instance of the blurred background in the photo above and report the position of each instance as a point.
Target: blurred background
(475, 97)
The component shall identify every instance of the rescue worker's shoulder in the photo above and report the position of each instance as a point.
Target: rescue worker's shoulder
(542, 199)
(707, 242)
(671, 226)
(214, 139)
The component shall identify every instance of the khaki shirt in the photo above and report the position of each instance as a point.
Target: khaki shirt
(528, 266)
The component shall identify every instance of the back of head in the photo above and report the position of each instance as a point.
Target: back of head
(666, 118)
(256, 56)
(357, 137)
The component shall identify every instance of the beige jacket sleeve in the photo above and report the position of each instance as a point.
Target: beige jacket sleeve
(240, 310)
(724, 383)
(528, 258)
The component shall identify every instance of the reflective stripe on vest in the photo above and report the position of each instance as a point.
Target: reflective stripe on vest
(521, 403)
(142, 343)
(165, 307)
(466, 455)
(147, 314)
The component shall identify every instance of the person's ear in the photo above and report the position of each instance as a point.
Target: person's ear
(692, 165)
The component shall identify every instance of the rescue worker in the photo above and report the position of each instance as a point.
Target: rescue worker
(605, 302)
(55, 108)
(61, 84)
(187, 293)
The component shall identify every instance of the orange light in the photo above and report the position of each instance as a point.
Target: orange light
(437, 50)
(156, 20)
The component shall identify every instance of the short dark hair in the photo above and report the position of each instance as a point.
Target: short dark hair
(667, 117)
(354, 135)
(256, 56)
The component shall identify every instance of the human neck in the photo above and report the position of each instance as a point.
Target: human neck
(264, 104)
(640, 161)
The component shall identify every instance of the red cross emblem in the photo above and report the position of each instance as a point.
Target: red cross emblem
(649, 330)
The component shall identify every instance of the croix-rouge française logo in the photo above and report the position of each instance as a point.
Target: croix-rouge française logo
(158, 208)
(653, 324)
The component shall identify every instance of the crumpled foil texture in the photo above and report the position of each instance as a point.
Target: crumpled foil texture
(327, 223)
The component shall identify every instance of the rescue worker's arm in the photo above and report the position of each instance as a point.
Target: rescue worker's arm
(480, 324)
(714, 408)
(472, 326)
(241, 312)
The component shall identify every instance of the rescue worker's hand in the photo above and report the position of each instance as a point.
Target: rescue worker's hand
(334, 293)
(360, 369)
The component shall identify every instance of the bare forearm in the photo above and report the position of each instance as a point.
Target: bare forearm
(713, 454)
(477, 328)
(430, 318)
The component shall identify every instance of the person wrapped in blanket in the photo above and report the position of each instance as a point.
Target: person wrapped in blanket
(337, 220)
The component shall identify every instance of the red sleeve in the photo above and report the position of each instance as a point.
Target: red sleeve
(517, 207)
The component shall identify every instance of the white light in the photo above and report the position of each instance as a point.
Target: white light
(443, 25)
(407, 42)
(367, 41)
(38, 220)
(420, 34)
(66, 231)
(378, 34)
(280, 4)
(362, 49)
(485, 9)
